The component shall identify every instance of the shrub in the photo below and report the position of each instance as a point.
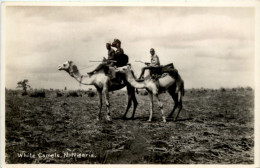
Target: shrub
(249, 88)
(91, 94)
(38, 93)
(72, 94)
(143, 93)
(24, 93)
(222, 89)
(59, 94)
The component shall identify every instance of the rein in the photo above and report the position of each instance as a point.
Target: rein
(71, 72)
(87, 67)
(132, 71)
(77, 70)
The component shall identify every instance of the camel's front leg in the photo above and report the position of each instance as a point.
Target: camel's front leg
(151, 106)
(106, 96)
(160, 106)
(100, 104)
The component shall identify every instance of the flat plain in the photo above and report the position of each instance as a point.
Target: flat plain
(216, 126)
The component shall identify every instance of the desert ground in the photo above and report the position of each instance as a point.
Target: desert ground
(216, 126)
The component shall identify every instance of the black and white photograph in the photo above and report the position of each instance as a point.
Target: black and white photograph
(112, 83)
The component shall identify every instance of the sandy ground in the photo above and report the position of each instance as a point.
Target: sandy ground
(215, 127)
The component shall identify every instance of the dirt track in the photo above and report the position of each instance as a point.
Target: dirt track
(214, 127)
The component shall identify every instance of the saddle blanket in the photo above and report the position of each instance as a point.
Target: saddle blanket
(162, 71)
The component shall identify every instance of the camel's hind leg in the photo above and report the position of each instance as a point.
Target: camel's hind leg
(179, 104)
(131, 97)
(174, 108)
(177, 98)
(129, 103)
(174, 96)
(160, 106)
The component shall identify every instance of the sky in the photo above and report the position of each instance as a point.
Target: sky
(211, 47)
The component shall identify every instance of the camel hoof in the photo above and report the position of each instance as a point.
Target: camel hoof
(108, 118)
(149, 120)
(164, 119)
(169, 116)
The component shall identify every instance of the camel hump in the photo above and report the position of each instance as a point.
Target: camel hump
(163, 70)
(174, 73)
(169, 68)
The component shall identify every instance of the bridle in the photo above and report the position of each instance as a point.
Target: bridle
(71, 73)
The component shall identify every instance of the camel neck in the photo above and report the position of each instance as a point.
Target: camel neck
(77, 76)
(132, 80)
(82, 79)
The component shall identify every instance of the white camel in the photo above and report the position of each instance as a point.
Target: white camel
(174, 86)
(103, 84)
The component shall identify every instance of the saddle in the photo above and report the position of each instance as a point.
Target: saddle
(162, 71)
(121, 60)
(112, 73)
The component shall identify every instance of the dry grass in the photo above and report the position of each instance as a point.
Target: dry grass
(214, 127)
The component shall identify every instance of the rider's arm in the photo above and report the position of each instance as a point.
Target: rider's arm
(111, 55)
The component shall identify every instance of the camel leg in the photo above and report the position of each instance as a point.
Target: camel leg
(135, 103)
(160, 106)
(128, 106)
(131, 97)
(175, 99)
(106, 95)
(129, 103)
(179, 104)
(172, 112)
(100, 104)
(151, 106)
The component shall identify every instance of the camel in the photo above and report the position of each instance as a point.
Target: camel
(174, 86)
(104, 85)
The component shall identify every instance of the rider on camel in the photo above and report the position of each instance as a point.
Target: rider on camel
(155, 62)
(110, 61)
(119, 51)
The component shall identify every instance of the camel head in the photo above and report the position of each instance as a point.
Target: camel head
(69, 67)
(125, 69)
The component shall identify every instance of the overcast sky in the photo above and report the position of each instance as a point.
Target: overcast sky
(211, 47)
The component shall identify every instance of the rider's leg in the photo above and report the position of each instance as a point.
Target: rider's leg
(100, 66)
(142, 72)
